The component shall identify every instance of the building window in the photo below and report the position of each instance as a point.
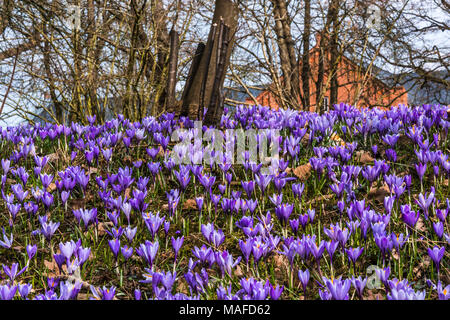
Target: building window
(326, 105)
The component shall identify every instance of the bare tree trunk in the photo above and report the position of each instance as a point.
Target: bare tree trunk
(289, 62)
(228, 11)
(191, 76)
(334, 53)
(163, 48)
(208, 55)
(215, 109)
(91, 92)
(172, 77)
(324, 54)
(306, 68)
(57, 107)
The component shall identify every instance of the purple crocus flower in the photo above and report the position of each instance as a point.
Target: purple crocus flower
(398, 240)
(83, 255)
(425, 202)
(168, 279)
(290, 251)
(173, 197)
(24, 290)
(442, 214)
(107, 153)
(303, 218)
(6, 165)
(7, 292)
(248, 187)
(359, 284)
(317, 250)
(297, 189)
(283, 212)
(7, 242)
(263, 181)
(304, 279)
(199, 201)
(397, 284)
(338, 288)
(126, 251)
(88, 216)
(443, 293)
(31, 251)
(438, 228)
(383, 275)
(153, 222)
(246, 248)
(258, 250)
(408, 216)
(130, 233)
(374, 149)
(126, 209)
(46, 180)
(137, 294)
(226, 261)
(405, 294)
(13, 210)
(331, 247)
(203, 253)
(183, 178)
(294, 223)
(391, 155)
(114, 244)
(436, 254)
(353, 254)
(103, 293)
(60, 261)
(176, 245)
(408, 181)
(47, 199)
(166, 227)
(421, 169)
(324, 294)
(222, 188)
(48, 228)
(65, 196)
(13, 272)
(67, 249)
(19, 192)
(275, 292)
(148, 251)
(311, 214)
(217, 237)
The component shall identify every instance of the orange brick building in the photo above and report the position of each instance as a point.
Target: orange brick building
(372, 91)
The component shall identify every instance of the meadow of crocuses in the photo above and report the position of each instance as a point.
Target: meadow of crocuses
(355, 207)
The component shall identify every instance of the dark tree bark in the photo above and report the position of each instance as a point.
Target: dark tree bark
(288, 59)
(324, 53)
(306, 68)
(92, 62)
(194, 98)
(46, 52)
(208, 55)
(215, 109)
(191, 76)
(334, 53)
(172, 77)
(163, 45)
